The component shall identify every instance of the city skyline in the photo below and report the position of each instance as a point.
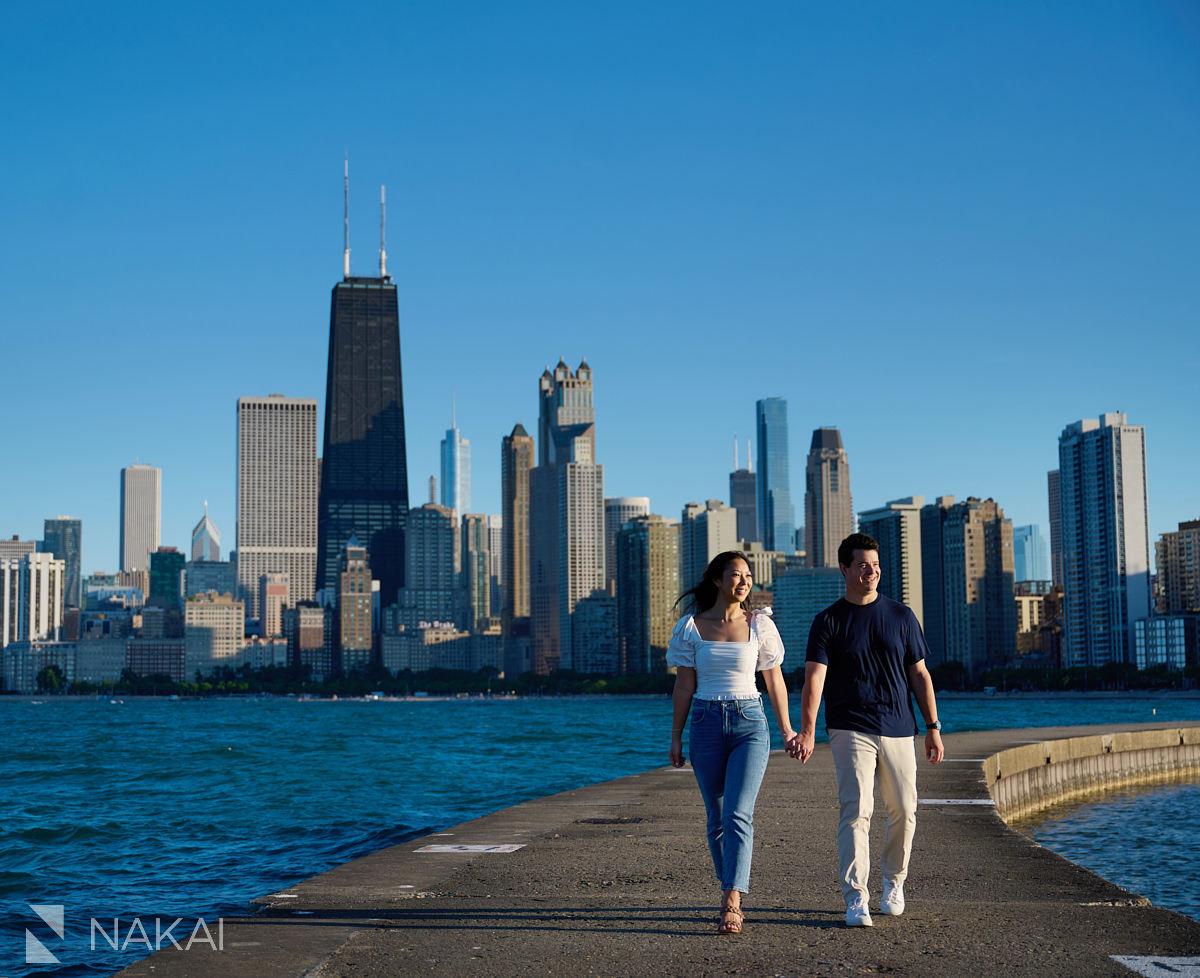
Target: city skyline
(1001, 204)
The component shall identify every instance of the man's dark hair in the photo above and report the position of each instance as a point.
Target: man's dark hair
(856, 541)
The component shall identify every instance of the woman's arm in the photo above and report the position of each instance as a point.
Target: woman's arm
(681, 700)
(810, 703)
(777, 693)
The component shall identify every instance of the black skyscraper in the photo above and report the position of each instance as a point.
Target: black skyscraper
(364, 473)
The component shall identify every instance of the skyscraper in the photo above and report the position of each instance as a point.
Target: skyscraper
(475, 578)
(618, 511)
(704, 532)
(495, 531)
(166, 578)
(1031, 561)
(456, 469)
(1056, 559)
(431, 592)
(63, 537)
(799, 595)
(566, 513)
(516, 464)
(276, 495)
(214, 633)
(1178, 560)
(364, 468)
(1105, 538)
(647, 558)
(273, 596)
(776, 516)
(31, 597)
(355, 608)
(967, 580)
(141, 515)
(897, 528)
(206, 539)
(743, 496)
(828, 511)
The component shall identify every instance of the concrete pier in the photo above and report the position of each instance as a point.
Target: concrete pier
(615, 880)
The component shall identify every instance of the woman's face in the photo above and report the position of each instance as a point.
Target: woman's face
(736, 581)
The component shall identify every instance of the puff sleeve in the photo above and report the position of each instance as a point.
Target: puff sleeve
(770, 645)
(682, 649)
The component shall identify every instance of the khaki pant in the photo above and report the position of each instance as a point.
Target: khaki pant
(861, 760)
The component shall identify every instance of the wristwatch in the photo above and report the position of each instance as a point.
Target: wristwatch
(936, 725)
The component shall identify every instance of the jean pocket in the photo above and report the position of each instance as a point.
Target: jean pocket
(698, 713)
(753, 711)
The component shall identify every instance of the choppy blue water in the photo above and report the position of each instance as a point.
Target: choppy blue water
(154, 809)
(1145, 839)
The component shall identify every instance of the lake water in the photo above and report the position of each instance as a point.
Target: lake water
(150, 808)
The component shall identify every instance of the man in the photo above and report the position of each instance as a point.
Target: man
(866, 654)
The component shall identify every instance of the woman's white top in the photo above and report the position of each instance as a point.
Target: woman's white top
(725, 670)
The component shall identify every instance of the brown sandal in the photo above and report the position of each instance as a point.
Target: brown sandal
(731, 920)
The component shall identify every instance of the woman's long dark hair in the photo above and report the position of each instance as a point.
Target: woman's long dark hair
(703, 595)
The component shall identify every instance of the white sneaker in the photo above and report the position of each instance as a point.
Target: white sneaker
(892, 903)
(857, 914)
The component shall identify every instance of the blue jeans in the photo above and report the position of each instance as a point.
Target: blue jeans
(730, 744)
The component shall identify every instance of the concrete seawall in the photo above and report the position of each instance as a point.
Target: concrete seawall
(615, 880)
(1021, 780)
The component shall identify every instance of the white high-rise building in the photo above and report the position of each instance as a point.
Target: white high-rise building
(141, 515)
(213, 633)
(32, 589)
(1105, 538)
(276, 495)
(704, 532)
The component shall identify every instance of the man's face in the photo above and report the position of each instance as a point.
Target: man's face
(862, 576)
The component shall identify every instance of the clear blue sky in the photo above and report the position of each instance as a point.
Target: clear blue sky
(949, 229)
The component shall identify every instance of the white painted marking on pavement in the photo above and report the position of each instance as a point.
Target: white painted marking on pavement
(963, 760)
(956, 801)
(471, 848)
(1157, 966)
(289, 896)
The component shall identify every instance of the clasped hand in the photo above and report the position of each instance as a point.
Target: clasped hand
(799, 747)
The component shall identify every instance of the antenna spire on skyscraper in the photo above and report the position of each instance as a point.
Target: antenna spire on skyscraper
(735, 453)
(382, 233)
(346, 220)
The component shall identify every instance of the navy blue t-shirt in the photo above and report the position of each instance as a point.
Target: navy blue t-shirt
(868, 649)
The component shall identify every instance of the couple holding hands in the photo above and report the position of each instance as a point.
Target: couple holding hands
(866, 655)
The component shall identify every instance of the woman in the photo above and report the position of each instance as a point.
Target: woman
(716, 650)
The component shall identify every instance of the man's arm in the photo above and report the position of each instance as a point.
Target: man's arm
(810, 703)
(922, 687)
